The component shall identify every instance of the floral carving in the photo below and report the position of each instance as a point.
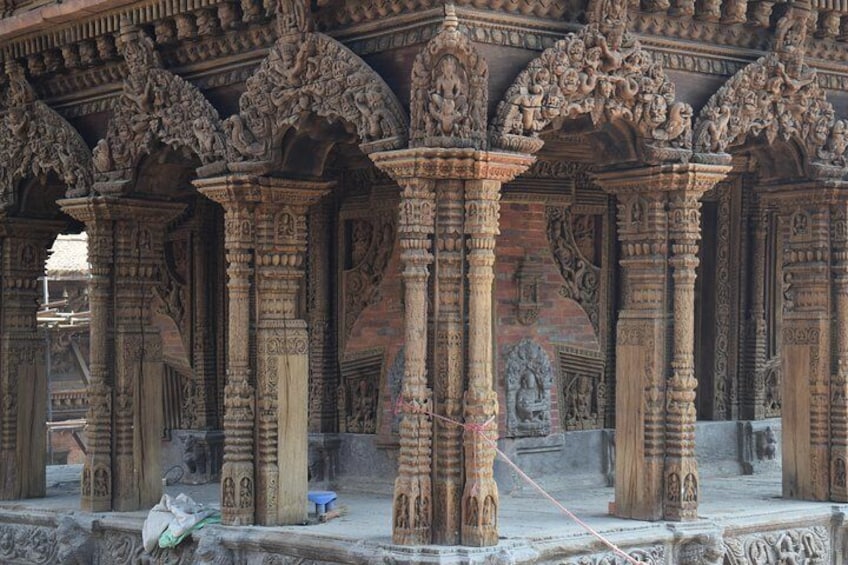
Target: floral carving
(808, 545)
(371, 244)
(582, 278)
(601, 72)
(311, 73)
(449, 93)
(36, 140)
(156, 106)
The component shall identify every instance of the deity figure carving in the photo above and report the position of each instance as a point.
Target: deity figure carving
(529, 377)
(449, 90)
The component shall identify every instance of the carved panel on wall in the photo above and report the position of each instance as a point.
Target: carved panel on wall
(528, 378)
(575, 242)
(395, 381)
(808, 545)
(172, 292)
(368, 245)
(582, 390)
(359, 391)
(529, 277)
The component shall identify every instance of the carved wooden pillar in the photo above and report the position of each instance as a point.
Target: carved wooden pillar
(322, 351)
(128, 235)
(434, 181)
(839, 381)
(658, 221)
(680, 464)
(23, 377)
(238, 197)
(282, 361)
(449, 370)
(412, 506)
(480, 498)
(266, 237)
(805, 339)
(96, 482)
(755, 324)
(137, 406)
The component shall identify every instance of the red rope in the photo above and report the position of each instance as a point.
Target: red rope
(401, 406)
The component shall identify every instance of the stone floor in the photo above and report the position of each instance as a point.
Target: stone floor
(742, 520)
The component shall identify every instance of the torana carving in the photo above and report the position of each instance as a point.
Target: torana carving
(582, 277)
(808, 545)
(528, 379)
(311, 73)
(778, 96)
(602, 72)
(449, 93)
(156, 106)
(34, 140)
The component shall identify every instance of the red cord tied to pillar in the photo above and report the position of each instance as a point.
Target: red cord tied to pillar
(402, 407)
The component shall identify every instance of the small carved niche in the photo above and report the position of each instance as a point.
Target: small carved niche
(529, 276)
(583, 392)
(359, 391)
(528, 378)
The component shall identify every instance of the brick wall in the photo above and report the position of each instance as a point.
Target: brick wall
(560, 321)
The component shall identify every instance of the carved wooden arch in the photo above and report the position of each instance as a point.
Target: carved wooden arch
(34, 139)
(449, 95)
(770, 97)
(306, 74)
(157, 106)
(777, 96)
(610, 80)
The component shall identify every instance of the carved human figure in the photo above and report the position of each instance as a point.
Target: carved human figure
(690, 488)
(449, 101)
(837, 142)
(673, 488)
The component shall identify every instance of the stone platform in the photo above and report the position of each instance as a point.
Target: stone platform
(743, 520)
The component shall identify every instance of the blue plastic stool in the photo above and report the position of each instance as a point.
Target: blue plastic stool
(323, 500)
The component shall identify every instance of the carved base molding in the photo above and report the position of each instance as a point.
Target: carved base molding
(802, 537)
